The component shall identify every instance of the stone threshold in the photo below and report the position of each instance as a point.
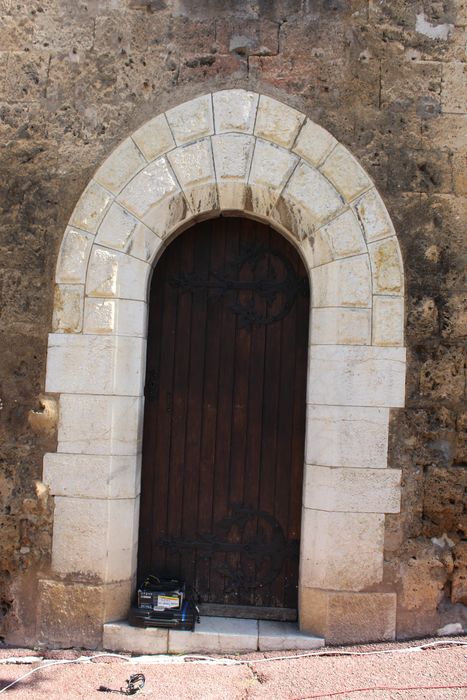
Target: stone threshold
(213, 635)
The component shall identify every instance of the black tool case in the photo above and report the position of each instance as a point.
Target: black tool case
(183, 619)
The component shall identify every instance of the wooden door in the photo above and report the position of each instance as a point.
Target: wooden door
(224, 424)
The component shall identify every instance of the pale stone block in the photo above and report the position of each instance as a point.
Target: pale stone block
(348, 618)
(203, 199)
(311, 191)
(316, 249)
(74, 255)
(373, 216)
(350, 375)
(337, 326)
(388, 320)
(232, 156)
(191, 120)
(344, 282)
(232, 195)
(345, 173)
(386, 264)
(154, 138)
(95, 364)
(152, 184)
(119, 316)
(235, 110)
(168, 215)
(341, 551)
(277, 122)
(92, 476)
(112, 274)
(314, 143)
(352, 490)
(121, 636)
(454, 88)
(117, 228)
(91, 207)
(122, 553)
(82, 543)
(193, 164)
(345, 235)
(100, 424)
(272, 165)
(120, 166)
(144, 244)
(347, 436)
(217, 635)
(284, 636)
(68, 308)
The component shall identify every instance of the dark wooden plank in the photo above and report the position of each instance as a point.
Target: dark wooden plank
(250, 612)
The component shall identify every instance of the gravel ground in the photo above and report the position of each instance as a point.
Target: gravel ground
(289, 679)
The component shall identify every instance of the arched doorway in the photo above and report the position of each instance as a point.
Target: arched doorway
(224, 425)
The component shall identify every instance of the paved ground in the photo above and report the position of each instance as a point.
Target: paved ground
(290, 679)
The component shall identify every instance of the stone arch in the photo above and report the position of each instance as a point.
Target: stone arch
(232, 152)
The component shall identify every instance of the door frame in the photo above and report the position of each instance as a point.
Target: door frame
(238, 153)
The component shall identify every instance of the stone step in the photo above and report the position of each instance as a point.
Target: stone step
(213, 635)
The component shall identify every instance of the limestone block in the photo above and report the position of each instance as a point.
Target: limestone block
(277, 122)
(120, 636)
(348, 618)
(218, 635)
(313, 193)
(388, 320)
(374, 217)
(272, 165)
(79, 624)
(232, 158)
(74, 255)
(317, 249)
(344, 326)
(120, 166)
(386, 265)
(194, 168)
(167, 216)
(314, 143)
(345, 173)
(100, 424)
(119, 316)
(347, 436)
(353, 375)
(329, 542)
(88, 532)
(154, 138)
(234, 110)
(191, 120)
(193, 164)
(91, 207)
(152, 184)
(92, 476)
(352, 490)
(112, 274)
(283, 636)
(344, 282)
(345, 235)
(95, 364)
(454, 88)
(117, 228)
(144, 244)
(68, 308)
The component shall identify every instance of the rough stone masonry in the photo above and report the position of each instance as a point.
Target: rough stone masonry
(388, 79)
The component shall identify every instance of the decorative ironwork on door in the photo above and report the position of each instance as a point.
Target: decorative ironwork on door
(278, 283)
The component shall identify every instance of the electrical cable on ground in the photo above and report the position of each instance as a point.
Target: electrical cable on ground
(198, 658)
(377, 688)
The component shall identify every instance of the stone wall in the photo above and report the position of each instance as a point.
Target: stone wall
(387, 78)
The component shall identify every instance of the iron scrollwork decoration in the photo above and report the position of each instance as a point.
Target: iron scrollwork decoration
(285, 287)
(267, 550)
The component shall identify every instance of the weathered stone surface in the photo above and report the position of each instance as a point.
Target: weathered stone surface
(343, 618)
